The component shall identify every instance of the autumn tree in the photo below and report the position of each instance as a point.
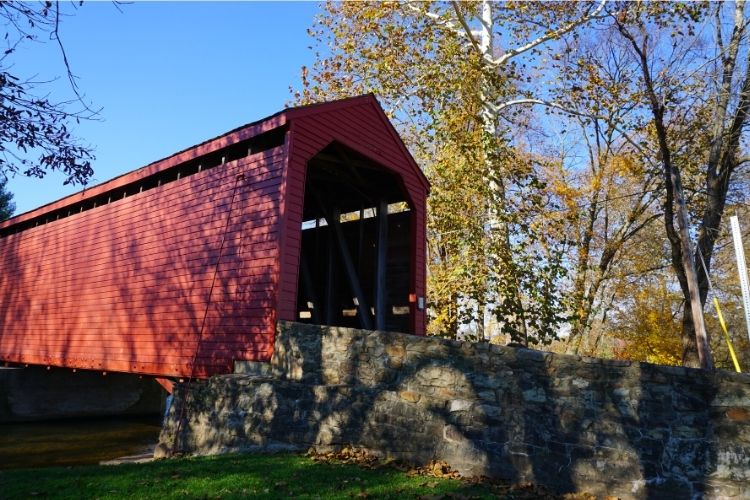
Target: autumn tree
(680, 104)
(608, 185)
(35, 130)
(648, 328)
(443, 71)
(644, 323)
(692, 94)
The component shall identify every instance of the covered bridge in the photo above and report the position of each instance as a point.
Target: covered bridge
(315, 214)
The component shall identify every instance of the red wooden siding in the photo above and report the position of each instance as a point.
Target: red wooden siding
(187, 277)
(204, 148)
(360, 125)
(124, 287)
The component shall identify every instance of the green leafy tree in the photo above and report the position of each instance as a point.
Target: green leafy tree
(7, 207)
(443, 70)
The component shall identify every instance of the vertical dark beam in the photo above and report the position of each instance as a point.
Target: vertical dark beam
(330, 278)
(361, 245)
(382, 264)
(316, 275)
(351, 273)
(309, 289)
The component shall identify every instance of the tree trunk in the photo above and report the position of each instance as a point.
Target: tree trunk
(582, 303)
(695, 304)
(689, 349)
(709, 230)
(682, 252)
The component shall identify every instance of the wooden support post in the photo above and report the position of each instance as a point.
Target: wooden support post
(166, 383)
(316, 275)
(309, 288)
(330, 280)
(361, 244)
(382, 264)
(351, 272)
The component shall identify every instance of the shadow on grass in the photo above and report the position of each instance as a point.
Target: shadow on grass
(564, 423)
(230, 476)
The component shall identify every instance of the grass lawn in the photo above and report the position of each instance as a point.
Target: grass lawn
(233, 476)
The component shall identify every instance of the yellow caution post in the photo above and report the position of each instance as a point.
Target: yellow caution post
(726, 335)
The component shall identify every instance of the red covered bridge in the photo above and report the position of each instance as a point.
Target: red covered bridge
(315, 214)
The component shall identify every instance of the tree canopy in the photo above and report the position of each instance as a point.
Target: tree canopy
(7, 207)
(35, 135)
(582, 156)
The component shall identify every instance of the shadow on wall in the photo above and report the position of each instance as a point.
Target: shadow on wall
(129, 285)
(164, 290)
(564, 422)
(210, 305)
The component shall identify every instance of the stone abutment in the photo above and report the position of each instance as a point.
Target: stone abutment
(570, 423)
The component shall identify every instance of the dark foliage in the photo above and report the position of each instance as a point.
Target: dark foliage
(35, 131)
(7, 207)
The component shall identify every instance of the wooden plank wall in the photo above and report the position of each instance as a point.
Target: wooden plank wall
(359, 127)
(125, 286)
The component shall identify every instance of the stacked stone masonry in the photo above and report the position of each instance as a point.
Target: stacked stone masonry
(632, 430)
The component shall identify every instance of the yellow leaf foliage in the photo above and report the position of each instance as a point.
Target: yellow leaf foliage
(651, 330)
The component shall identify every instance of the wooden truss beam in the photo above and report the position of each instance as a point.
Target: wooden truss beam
(381, 265)
(351, 272)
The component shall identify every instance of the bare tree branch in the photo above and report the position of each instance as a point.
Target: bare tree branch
(467, 29)
(69, 71)
(552, 104)
(551, 35)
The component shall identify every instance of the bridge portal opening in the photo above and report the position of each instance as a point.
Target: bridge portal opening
(356, 252)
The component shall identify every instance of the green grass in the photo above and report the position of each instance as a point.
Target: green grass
(229, 476)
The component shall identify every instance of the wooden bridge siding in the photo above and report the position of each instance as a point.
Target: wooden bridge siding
(206, 147)
(123, 287)
(351, 125)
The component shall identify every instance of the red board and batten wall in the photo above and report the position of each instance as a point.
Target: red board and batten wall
(130, 285)
(361, 125)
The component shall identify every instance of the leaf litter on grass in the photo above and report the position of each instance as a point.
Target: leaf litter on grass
(376, 478)
(442, 470)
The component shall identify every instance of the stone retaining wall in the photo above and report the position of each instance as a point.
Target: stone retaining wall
(633, 430)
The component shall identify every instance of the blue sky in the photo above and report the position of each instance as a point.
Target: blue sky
(167, 75)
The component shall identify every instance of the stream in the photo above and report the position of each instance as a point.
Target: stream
(75, 442)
